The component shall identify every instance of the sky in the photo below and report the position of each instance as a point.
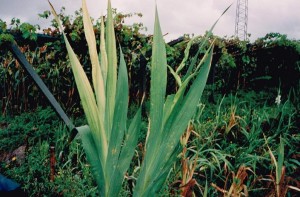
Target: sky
(177, 17)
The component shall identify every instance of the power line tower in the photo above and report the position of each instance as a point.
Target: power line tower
(241, 20)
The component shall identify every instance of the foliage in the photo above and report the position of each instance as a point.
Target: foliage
(225, 152)
(107, 141)
(5, 38)
(169, 118)
(266, 63)
(231, 135)
(48, 56)
(106, 109)
(38, 131)
(218, 155)
(28, 31)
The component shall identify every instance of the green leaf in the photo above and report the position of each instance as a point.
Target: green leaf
(157, 98)
(164, 170)
(205, 189)
(92, 155)
(185, 109)
(103, 54)
(157, 89)
(168, 107)
(111, 67)
(280, 161)
(186, 54)
(119, 125)
(175, 75)
(127, 152)
(96, 71)
(87, 97)
(203, 42)
(183, 112)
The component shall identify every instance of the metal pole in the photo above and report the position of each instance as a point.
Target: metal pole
(13, 47)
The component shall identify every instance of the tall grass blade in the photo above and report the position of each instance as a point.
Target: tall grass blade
(205, 189)
(280, 161)
(278, 164)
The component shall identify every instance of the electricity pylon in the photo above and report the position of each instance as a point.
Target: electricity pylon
(241, 20)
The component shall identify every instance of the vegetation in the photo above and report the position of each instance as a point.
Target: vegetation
(236, 65)
(224, 137)
(244, 143)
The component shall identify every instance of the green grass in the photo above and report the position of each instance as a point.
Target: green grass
(218, 146)
(226, 143)
(38, 131)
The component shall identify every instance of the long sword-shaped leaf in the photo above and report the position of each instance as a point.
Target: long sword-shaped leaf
(178, 120)
(158, 87)
(120, 118)
(92, 156)
(162, 173)
(111, 67)
(186, 54)
(181, 91)
(87, 97)
(280, 161)
(96, 72)
(130, 142)
(157, 97)
(103, 54)
(202, 44)
(186, 109)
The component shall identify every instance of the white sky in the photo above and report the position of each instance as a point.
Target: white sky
(177, 17)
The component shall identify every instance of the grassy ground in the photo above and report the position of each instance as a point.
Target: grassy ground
(226, 150)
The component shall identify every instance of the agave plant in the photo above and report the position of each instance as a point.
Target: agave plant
(108, 143)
